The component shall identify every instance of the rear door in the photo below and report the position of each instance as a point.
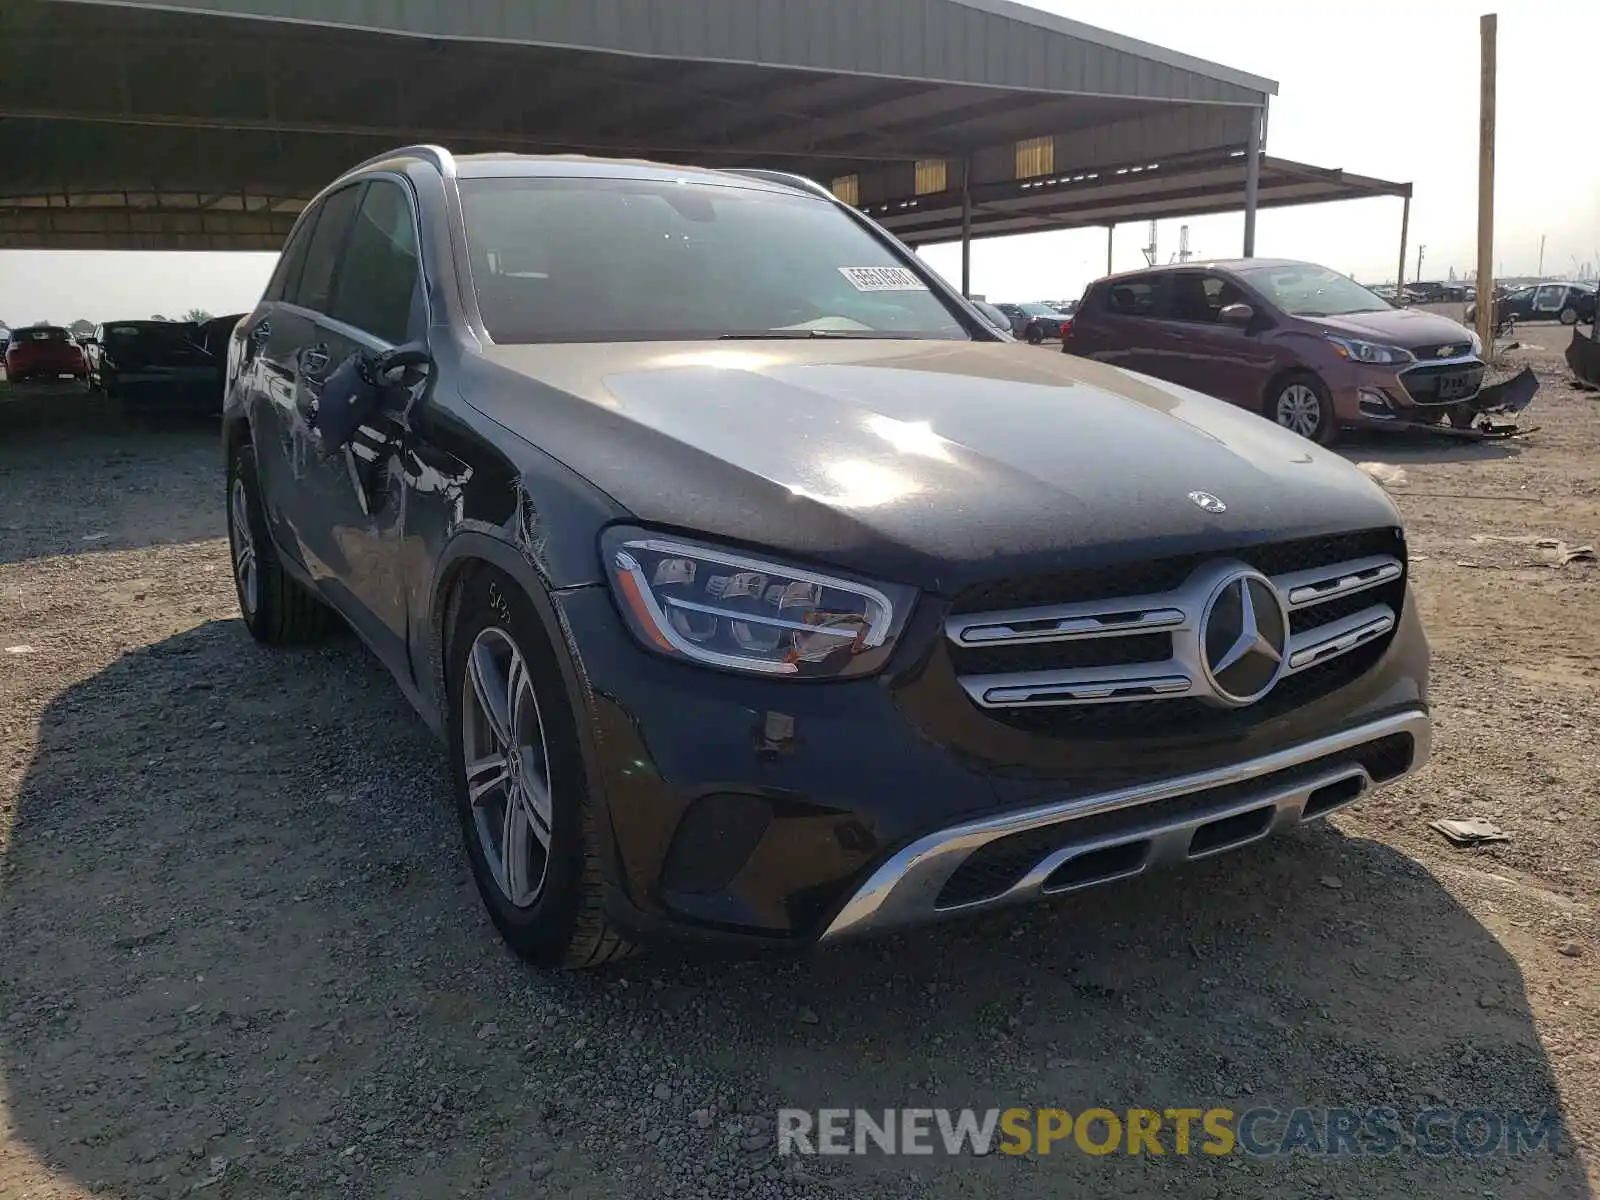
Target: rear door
(346, 506)
(1123, 328)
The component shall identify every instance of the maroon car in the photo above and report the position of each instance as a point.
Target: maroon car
(1301, 345)
(44, 352)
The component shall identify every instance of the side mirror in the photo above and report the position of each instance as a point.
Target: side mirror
(412, 355)
(1236, 314)
(360, 388)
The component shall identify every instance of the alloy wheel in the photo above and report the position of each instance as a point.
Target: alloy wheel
(507, 767)
(243, 542)
(1300, 409)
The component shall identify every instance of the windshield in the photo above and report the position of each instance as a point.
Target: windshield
(585, 260)
(1304, 290)
(1039, 310)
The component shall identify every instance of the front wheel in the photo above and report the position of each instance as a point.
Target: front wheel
(1301, 404)
(521, 791)
(1035, 335)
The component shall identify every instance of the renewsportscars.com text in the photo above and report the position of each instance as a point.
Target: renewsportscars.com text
(1257, 1132)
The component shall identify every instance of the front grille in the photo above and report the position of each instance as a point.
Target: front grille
(1423, 383)
(1189, 718)
(1444, 350)
(1118, 652)
(997, 866)
(1043, 656)
(1304, 619)
(1152, 576)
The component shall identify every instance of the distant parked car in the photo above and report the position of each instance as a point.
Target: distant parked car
(1298, 343)
(1569, 303)
(162, 364)
(993, 315)
(44, 352)
(1036, 322)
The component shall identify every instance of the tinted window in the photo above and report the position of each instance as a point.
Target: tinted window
(627, 259)
(378, 277)
(287, 273)
(1202, 297)
(315, 287)
(1134, 297)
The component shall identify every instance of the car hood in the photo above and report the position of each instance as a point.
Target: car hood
(932, 463)
(1408, 328)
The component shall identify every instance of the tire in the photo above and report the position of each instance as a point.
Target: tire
(276, 609)
(548, 902)
(1035, 335)
(1301, 404)
(1569, 315)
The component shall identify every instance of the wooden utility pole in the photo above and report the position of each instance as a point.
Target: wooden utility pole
(1485, 285)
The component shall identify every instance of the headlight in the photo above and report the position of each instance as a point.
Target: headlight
(1477, 346)
(728, 609)
(1368, 352)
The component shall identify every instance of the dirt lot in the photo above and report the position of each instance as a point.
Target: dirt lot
(240, 954)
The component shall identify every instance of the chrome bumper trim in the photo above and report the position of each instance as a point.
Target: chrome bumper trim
(904, 890)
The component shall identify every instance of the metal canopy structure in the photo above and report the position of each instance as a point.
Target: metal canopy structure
(1131, 192)
(207, 124)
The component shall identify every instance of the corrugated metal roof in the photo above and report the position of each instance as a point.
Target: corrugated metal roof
(993, 43)
(268, 99)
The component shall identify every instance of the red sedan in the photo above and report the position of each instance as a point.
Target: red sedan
(44, 352)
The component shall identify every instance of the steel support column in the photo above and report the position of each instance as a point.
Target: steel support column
(966, 227)
(1252, 182)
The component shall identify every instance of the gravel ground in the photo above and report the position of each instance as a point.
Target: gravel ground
(241, 955)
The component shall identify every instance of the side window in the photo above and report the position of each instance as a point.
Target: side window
(315, 287)
(286, 276)
(379, 277)
(1197, 297)
(1135, 297)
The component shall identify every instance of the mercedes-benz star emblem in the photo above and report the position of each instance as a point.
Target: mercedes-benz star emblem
(1244, 638)
(1208, 502)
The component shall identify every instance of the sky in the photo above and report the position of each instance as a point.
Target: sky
(1387, 88)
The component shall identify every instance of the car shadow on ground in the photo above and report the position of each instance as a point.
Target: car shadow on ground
(239, 949)
(129, 466)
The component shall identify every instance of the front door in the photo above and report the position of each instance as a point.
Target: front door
(1230, 362)
(347, 507)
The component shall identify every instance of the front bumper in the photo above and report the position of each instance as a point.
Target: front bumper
(1064, 847)
(772, 811)
(1416, 392)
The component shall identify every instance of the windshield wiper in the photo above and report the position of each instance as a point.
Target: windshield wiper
(807, 333)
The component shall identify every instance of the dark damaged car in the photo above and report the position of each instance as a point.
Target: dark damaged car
(761, 590)
(162, 365)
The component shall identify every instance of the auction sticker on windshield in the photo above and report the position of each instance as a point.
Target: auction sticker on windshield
(883, 279)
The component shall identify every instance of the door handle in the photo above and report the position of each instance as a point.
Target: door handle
(315, 360)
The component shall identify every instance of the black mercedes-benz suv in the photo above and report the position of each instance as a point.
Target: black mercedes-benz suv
(760, 589)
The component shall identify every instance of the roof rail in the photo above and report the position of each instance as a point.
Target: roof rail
(788, 178)
(437, 155)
